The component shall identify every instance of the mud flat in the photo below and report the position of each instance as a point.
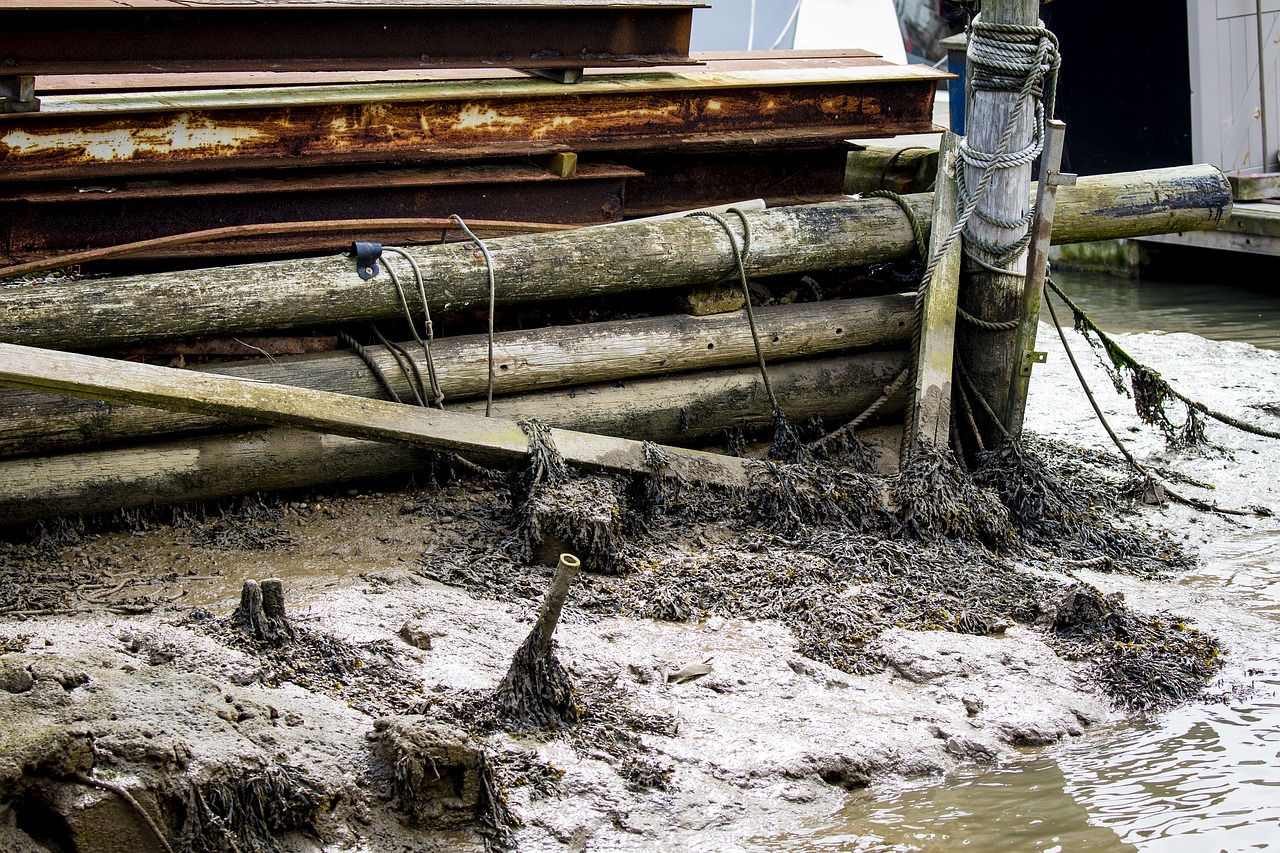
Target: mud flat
(735, 674)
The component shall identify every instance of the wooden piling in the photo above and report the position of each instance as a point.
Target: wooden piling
(995, 296)
(933, 357)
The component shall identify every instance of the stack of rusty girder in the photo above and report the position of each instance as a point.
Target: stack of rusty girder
(126, 122)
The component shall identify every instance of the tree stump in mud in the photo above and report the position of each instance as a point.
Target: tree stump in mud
(261, 612)
(536, 691)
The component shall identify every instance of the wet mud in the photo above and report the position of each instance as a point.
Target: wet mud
(725, 664)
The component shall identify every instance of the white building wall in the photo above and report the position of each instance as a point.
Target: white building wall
(1229, 101)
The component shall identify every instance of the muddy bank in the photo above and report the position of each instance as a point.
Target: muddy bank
(837, 657)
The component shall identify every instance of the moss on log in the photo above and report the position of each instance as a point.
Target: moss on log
(628, 256)
(37, 423)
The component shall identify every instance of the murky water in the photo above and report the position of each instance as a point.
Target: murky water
(1223, 311)
(1201, 778)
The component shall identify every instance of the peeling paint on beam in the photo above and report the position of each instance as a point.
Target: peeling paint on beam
(96, 135)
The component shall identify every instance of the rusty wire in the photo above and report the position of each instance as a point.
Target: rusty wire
(107, 253)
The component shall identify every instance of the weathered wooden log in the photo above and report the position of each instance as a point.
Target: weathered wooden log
(35, 423)
(896, 167)
(628, 256)
(678, 409)
(340, 414)
(998, 122)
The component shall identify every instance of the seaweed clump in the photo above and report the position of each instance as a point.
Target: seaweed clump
(1144, 663)
(1072, 506)
(247, 813)
(938, 499)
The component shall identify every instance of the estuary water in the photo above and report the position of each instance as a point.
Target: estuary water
(1205, 777)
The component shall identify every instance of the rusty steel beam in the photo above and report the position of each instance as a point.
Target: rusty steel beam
(676, 180)
(722, 60)
(41, 221)
(106, 36)
(701, 109)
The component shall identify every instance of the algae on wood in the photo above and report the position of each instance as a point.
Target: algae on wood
(676, 409)
(629, 256)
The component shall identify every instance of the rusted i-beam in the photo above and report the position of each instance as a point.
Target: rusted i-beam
(106, 36)
(764, 106)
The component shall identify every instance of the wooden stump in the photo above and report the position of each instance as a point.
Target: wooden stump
(261, 612)
(536, 691)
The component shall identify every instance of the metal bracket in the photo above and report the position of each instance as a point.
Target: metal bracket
(1030, 358)
(18, 94)
(367, 256)
(559, 75)
(1061, 179)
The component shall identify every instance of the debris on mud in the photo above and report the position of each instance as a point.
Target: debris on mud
(844, 558)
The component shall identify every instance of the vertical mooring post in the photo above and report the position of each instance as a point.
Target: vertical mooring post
(993, 292)
(1024, 352)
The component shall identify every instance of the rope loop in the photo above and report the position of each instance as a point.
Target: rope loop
(1007, 58)
(739, 255)
(488, 264)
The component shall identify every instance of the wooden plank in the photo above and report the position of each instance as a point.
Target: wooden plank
(1254, 187)
(337, 414)
(932, 362)
(564, 357)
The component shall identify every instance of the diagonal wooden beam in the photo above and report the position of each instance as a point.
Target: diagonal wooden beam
(338, 414)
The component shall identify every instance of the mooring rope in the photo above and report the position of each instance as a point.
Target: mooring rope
(408, 367)
(369, 361)
(1120, 358)
(1150, 477)
(738, 252)
(1007, 58)
(427, 327)
(488, 263)
(990, 326)
(917, 323)
(834, 436)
